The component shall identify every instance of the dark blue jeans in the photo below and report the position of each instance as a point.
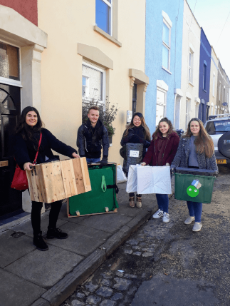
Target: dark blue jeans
(163, 202)
(195, 210)
(93, 160)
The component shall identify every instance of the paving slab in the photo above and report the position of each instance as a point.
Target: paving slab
(16, 291)
(69, 262)
(45, 268)
(110, 223)
(27, 228)
(82, 240)
(12, 249)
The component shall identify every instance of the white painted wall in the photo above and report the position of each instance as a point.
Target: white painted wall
(191, 41)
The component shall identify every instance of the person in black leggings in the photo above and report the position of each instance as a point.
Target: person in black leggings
(28, 132)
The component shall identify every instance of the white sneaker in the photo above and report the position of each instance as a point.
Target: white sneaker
(189, 220)
(197, 227)
(158, 214)
(166, 217)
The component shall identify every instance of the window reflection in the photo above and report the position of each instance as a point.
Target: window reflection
(9, 61)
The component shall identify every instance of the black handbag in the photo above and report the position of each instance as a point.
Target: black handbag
(123, 151)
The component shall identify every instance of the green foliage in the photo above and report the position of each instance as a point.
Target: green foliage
(107, 114)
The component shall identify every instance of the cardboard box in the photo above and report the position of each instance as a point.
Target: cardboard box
(50, 182)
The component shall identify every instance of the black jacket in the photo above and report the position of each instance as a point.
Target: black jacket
(90, 140)
(25, 151)
(135, 135)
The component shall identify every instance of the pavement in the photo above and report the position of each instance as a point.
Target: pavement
(168, 264)
(30, 277)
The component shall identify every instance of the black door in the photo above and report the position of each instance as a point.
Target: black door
(134, 98)
(10, 199)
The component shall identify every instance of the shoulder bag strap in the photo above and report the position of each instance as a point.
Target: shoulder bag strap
(36, 156)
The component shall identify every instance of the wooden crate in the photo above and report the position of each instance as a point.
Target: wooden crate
(50, 182)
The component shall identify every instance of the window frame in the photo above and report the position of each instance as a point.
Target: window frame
(204, 76)
(190, 67)
(111, 16)
(213, 84)
(165, 100)
(87, 100)
(13, 82)
(168, 47)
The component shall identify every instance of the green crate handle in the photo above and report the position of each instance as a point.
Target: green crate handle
(103, 184)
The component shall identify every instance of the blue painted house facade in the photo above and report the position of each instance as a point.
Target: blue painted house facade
(204, 76)
(163, 57)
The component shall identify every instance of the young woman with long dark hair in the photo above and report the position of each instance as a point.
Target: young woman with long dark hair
(27, 137)
(196, 150)
(136, 132)
(161, 152)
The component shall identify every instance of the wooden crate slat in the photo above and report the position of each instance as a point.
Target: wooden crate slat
(54, 185)
(68, 178)
(30, 184)
(85, 173)
(78, 175)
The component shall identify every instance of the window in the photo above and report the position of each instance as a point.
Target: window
(93, 83)
(219, 91)
(204, 76)
(213, 85)
(161, 104)
(9, 62)
(85, 86)
(188, 108)
(224, 95)
(190, 66)
(104, 15)
(166, 41)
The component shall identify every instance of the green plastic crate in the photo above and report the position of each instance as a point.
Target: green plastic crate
(96, 201)
(183, 181)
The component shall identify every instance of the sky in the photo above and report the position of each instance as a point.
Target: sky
(214, 17)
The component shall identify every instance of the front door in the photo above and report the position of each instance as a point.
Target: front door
(10, 199)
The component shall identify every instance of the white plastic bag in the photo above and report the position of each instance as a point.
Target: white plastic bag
(121, 177)
(132, 179)
(153, 180)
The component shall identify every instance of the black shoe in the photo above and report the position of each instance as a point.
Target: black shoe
(56, 233)
(40, 243)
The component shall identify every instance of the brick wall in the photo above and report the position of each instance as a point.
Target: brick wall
(27, 8)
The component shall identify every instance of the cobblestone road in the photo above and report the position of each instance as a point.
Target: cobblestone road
(168, 264)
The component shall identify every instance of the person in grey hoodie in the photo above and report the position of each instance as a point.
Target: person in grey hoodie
(196, 150)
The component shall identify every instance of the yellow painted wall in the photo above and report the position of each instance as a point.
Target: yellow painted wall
(68, 22)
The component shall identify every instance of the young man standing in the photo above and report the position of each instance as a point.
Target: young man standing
(91, 136)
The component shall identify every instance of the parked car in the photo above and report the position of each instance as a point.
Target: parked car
(219, 129)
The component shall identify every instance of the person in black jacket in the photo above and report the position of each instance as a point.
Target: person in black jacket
(26, 142)
(91, 136)
(136, 132)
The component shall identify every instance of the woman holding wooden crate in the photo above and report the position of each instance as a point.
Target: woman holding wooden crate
(30, 135)
(196, 150)
(161, 152)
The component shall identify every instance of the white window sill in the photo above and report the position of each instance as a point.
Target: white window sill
(166, 70)
(190, 83)
(106, 35)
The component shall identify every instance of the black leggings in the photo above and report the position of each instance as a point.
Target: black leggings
(36, 215)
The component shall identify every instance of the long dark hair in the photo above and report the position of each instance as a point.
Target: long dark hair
(157, 132)
(24, 129)
(203, 141)
(143, 123)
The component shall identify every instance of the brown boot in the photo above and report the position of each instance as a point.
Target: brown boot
(139, 202)
(131, 202)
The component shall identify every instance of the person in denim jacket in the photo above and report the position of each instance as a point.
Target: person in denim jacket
(196, 150)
